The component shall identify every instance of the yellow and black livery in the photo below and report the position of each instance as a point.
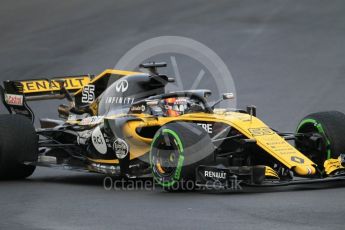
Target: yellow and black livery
(124, 123)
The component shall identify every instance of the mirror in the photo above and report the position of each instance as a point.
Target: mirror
(227, 96)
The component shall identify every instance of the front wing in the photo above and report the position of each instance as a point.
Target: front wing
(236, 178)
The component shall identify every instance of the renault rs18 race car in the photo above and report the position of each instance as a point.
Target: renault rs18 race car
(123, 123)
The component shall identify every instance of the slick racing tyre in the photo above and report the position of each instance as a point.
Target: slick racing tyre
(177, 150)
(18, 144)
(324, 136)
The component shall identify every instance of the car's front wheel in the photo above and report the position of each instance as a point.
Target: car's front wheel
(321, 136)
(177, 150)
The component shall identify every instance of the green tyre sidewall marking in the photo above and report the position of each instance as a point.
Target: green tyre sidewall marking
(320, 129)
(177, 175)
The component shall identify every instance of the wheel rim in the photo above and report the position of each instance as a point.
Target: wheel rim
(322, 151)
(166, 162)
(166, 157)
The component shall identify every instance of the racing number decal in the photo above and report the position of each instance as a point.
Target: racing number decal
(261, 131)
(88, 95)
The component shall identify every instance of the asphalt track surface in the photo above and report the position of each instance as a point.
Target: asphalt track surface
(286, 57)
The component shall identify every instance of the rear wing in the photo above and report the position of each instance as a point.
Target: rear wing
(46, 89)
(15, 94)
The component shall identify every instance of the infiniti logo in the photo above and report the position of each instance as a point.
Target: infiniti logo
(121, 86)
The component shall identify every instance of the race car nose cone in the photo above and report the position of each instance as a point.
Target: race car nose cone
(305, 170)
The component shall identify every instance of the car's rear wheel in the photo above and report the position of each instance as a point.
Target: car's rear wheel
(18, 144)
(323, 136)
(177, 150)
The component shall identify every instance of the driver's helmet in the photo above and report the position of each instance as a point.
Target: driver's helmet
(175, 106)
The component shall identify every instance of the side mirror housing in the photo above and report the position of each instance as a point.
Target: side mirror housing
(225, 96)
(228, 96)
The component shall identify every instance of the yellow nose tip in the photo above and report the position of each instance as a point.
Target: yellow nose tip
(303, 170)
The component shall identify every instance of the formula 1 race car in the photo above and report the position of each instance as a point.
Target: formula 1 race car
(123, 123)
